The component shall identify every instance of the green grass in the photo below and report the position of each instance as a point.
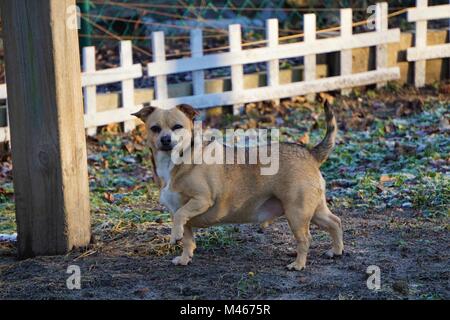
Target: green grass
(7, 218)
(360, 157)
(216, 237)
(419, 179)
(248, 286)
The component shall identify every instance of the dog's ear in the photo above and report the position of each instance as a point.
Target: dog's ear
(188, 110)
(144, 112)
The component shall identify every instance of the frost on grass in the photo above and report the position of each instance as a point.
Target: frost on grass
(392, 152)
(8, 237)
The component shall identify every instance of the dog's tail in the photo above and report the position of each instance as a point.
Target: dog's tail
(322, 151)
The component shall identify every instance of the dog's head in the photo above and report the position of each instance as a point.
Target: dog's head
(167, 129)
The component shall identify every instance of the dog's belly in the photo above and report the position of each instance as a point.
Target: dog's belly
(269, 210)
(252, 213)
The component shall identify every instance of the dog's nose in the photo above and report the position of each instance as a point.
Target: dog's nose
(166, 141)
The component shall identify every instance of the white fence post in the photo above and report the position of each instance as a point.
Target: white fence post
(273, 66)
(346, 54)
(90, 92)
(126, 60)
(4, 131)
(159, 55)
(421, 52)
(271, 54)
(237, 70)
(198, 77)
(420, 43)
(310, 60)
(382, 49)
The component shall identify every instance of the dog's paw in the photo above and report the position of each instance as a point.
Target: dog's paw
(330, 254)
(181, 260)
(176, 235)
(296, 266)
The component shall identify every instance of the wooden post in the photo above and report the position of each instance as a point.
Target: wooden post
(381, 49)
(126, 60)
(90, 92)
(273, 66)
(86, 27)
(47, 132)
(198, 77)
(420, 42)
(159, 54)
(346, 55)
(310, 60)
(237, 71)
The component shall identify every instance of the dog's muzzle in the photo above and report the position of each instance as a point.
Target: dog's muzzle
(166, 143)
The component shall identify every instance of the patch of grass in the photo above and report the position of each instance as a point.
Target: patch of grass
(7, 218)
(217, 237)
(120, 195)
(393, 86)
(401, 148)
(431, 296)
(432, 195)
(132, 207)
(249, 286)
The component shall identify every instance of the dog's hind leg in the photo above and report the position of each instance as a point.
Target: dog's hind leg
(299, 218)
(188, 247)
(327, 221)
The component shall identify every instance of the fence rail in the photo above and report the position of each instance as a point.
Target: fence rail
(309, 48)
(270, 54)
(421, 52)
(91, 78)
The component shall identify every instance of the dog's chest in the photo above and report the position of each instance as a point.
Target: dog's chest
(168, 198)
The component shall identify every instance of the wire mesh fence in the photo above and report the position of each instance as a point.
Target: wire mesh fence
(105, 22)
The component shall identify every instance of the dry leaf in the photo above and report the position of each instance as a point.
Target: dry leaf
(129, 147)
(445, 88)
(304, 139)
(386, 178)
(109, 197)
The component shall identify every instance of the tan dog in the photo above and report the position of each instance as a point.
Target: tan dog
(202, 195)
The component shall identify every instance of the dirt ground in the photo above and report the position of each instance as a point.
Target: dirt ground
(413, 258)
(388, 180)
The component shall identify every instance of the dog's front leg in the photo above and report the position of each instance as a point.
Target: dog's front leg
(188, 247)
(192, 208)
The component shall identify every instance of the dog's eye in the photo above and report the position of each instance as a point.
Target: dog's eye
(156, 129)
(177, 127)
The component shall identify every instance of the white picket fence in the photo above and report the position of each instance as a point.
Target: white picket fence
(309, 48)
(4, 131)
(125, 74)
(91, 78)
(421, 52)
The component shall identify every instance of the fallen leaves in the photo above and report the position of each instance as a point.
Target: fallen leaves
(304, 139)
(109, 197)
(406, 108)
(392, 152)
(444, 125)
(445, 88)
